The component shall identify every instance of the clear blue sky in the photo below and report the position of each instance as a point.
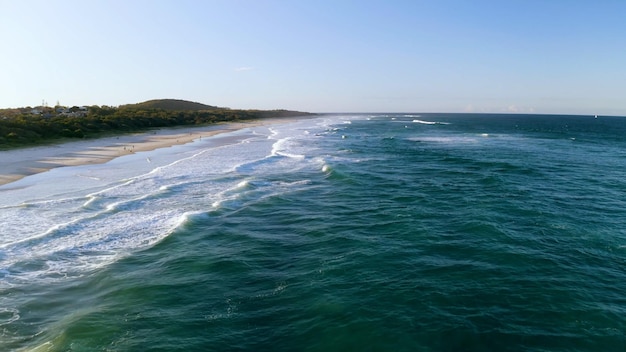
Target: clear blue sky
(549, 56)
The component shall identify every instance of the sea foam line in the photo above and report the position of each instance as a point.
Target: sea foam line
(430, 122)
(104, 233)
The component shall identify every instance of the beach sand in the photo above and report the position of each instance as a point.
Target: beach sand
(19, 163)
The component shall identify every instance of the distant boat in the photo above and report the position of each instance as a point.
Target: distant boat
(596, 116)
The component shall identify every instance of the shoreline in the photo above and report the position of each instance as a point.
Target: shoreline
(19, 163)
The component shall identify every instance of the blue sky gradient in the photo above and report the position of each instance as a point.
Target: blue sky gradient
(551, 56)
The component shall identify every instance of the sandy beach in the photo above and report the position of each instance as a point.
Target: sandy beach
(19, 163)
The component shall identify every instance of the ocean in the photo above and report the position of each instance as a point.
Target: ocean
(356, 232)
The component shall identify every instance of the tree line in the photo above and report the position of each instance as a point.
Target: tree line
(25, 129)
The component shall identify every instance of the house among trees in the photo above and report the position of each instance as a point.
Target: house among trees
(58, 110)
(75, 111)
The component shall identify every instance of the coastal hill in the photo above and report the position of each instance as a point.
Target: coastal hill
(20, 127)
(171, 105)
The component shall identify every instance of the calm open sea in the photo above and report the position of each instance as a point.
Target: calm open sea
(431, 232)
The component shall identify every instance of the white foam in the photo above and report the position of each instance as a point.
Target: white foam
(52, 230)
(230, 194)
(430, 122)
(283, 146)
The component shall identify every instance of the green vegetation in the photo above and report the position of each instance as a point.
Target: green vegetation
(26, 126)
(171, 105)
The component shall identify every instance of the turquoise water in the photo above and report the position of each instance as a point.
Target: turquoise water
(430, 232)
